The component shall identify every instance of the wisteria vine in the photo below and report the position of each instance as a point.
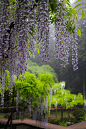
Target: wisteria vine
(23, 26)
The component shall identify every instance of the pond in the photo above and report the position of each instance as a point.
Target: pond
(20, 126)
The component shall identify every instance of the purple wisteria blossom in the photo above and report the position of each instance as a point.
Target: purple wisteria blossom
(25, 25)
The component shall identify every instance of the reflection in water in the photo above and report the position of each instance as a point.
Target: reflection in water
(21, 126)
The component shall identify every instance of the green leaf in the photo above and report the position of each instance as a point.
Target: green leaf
(79, 32)
(36, 48)
(38, 51)
(77, 5)
(73, 10)
(84, 3)
(76, 18)
(78, 10)
(79, 27)
(77, 1)
(52, 4)
(33, 56)
(65, 2)
(83, 14)
(16, 42)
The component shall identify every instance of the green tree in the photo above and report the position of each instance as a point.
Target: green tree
(32, 88)
(64, 98)
(9, 14)
(34, 68)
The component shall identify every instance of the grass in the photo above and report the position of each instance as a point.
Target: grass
(65, 113)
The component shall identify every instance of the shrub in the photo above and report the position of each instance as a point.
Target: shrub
(63, 124)
(27, 115)
(79, 115)
(65, 120)
(53, 120)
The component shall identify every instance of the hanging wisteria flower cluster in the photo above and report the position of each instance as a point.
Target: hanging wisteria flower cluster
(63, 38)
(40, 111)
(74, 51)
(62, 42)
(43, 29)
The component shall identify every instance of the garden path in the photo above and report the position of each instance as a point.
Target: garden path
(81, 125)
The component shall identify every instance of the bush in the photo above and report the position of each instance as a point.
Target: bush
(63, 124)
(65, 120)
(27, 115)
(53, 120)
(79, 115)
(7, 115)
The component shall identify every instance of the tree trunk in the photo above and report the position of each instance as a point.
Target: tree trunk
(56, 113)
(84, 86)
(68, 113)
(11, 116)
(62, 114)
(7, 122)
(12, 109)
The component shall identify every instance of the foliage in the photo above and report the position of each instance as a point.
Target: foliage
(34, 68)
(64, 121)
(12, 6)
(53, 120)
(65, 98)
(27, 86)
(68, 119)
(52, 4)
(7, 80)
(30, 88)
(73, 79)
(2, 115)
(63, 124)
(71, 14)
(79, 115)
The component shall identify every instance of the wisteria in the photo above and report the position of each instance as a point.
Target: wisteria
(74, 52)
(51, 94)
(62, 43)
(3, 88)
(24, 26)
(17, 101)
(46, 103)
(43, 29)
(56, 104)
